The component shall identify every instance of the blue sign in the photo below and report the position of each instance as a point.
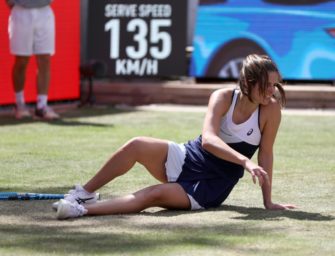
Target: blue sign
(298, 35)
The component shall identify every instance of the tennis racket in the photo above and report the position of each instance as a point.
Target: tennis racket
(29, 196)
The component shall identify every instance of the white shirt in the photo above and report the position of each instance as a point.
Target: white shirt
(248, 131)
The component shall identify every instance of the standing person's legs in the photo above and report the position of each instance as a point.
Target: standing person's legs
(149, 152)
(43, 48)
(19, 78)
(43, 80)
(43, 74)
(20, 31)
(19, 72)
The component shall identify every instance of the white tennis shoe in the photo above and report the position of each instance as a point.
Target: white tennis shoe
(67, 209)
(80, 196)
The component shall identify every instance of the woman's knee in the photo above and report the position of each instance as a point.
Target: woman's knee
(155, 195)
(134, 145)
(168, 196)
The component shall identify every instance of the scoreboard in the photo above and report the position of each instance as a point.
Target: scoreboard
(138, 38)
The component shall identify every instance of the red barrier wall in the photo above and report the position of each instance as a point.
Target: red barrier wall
(65, 63)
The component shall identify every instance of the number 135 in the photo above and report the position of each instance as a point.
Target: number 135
(140, 37)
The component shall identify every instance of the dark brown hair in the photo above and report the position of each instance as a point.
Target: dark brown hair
(255, 70)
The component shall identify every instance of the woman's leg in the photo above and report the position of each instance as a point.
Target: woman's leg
(169, 195)
(149, 152)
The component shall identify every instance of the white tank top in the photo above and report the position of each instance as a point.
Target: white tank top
(248, 131)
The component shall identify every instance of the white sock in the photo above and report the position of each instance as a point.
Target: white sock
(42, 101)
(19, 97)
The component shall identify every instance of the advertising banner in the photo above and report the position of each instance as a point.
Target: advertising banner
(64, 84)
(299, 35)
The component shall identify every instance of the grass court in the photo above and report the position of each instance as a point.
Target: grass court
(51, 157)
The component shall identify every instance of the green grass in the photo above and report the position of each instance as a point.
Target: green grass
(51, 157)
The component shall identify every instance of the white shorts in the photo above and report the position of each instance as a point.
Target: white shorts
(174, 163)
(31, 31)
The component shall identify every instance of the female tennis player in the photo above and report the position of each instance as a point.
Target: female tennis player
(201, 173)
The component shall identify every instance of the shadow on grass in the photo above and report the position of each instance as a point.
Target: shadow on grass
(249, 213)
(36, 231)
(68, 116)
(263, 214)
(254, 213)
(120, 237)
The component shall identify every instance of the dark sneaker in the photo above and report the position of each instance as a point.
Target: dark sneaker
(46, 113)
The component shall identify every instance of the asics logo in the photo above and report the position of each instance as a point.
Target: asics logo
(83, 200)
(250, 132)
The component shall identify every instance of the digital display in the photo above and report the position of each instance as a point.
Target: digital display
(138, 38)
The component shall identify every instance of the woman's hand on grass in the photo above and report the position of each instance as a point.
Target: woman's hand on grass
(273, 206)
